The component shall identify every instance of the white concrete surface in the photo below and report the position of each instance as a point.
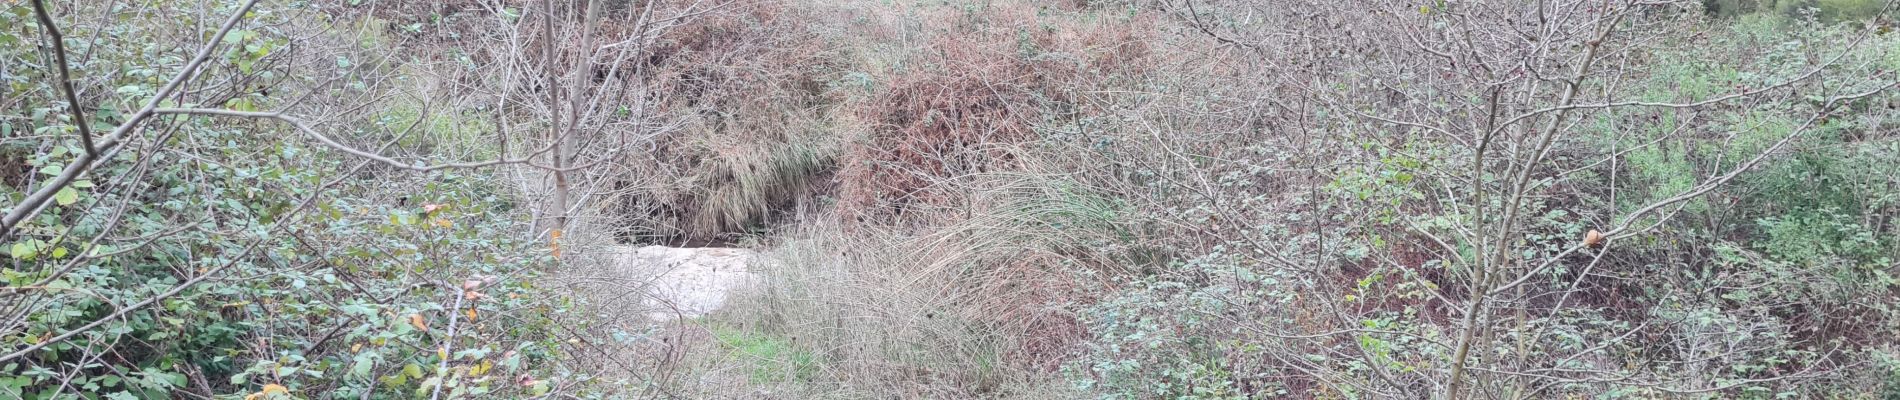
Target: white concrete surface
(688, 282)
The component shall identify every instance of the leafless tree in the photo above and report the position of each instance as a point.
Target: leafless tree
(1487, 108)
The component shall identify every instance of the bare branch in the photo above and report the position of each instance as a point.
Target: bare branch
(65, 77)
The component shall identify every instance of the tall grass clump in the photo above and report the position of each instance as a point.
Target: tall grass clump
(744, 94)
(978, 306)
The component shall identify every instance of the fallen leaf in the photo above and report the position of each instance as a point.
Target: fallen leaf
(416, 321)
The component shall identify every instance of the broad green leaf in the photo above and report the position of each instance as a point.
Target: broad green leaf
(67, 196)
(363, 364)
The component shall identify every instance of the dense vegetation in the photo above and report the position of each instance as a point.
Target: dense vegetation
(381, 199)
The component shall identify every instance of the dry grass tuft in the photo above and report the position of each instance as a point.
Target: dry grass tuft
(746, 86)
(956, 106)
(954, 260)
(979, 306)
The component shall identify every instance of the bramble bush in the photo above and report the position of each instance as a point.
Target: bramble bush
(231, 257)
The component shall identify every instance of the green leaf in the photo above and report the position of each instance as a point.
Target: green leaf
(427, 385)
(67, 196)
(236, 36)
(396, 380)
(363, 364)
(27, 249)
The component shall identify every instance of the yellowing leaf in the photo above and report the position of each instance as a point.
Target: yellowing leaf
(444, 223)
(66, 196)
(480, 369)
(24, 250)
(270, 389)
(416, 321)
(471, 314)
